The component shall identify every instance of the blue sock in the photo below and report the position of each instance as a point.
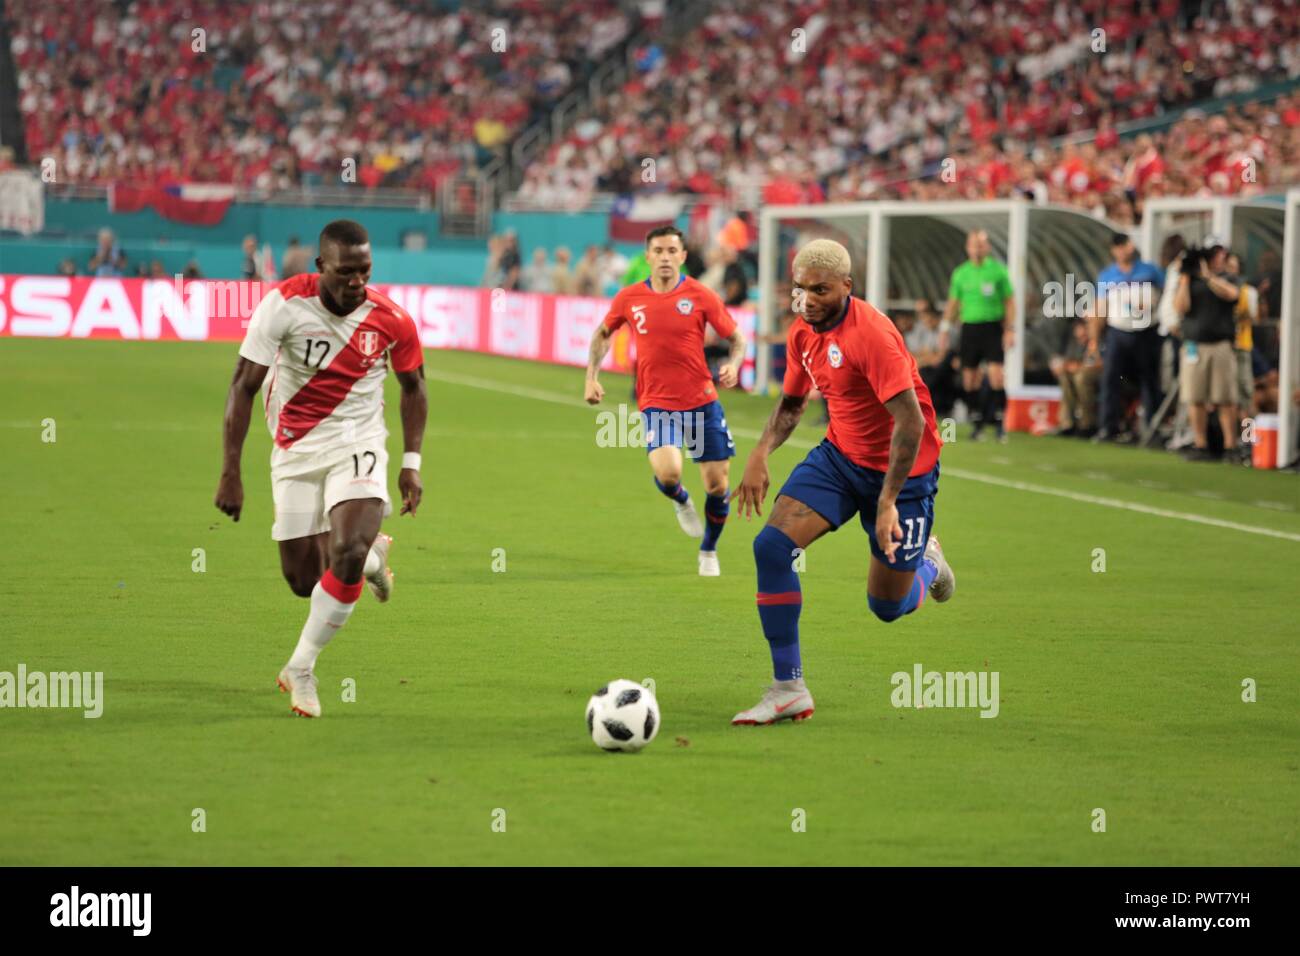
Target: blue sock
(779, 601)
(892, 610)
(676, 492)
(716, 510)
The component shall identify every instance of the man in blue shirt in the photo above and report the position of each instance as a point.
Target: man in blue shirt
(1127, 291)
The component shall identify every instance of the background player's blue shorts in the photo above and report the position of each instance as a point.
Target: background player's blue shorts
(836, 489)
(702, 431)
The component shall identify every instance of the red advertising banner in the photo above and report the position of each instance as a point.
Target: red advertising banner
(526, 325)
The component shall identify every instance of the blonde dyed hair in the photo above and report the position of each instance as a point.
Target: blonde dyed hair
(824, 254)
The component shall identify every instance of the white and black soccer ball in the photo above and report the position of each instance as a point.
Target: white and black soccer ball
(622, 715)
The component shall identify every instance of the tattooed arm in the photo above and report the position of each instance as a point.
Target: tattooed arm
(593, 392)
(753, 486)
(909, 426)
(730, 373)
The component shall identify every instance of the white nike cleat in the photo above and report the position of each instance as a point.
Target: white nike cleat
(709, 564)
(689, 519)
(784, 700)
(302, 683)
(381, 583)
(945, 582)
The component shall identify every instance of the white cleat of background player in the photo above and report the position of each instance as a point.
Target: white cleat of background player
(301, 683)
(784, 700)
(689, 519)
(709, 567)
(379, 578)
(945, 582)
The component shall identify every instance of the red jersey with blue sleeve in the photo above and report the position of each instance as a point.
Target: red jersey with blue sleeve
(668, 328)
(858, 365)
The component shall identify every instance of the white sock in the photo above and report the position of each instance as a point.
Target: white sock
(327, 615)
(373, 565)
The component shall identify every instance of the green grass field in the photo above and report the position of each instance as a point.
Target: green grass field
(1120, 690)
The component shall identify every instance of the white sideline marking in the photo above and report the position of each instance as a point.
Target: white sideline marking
(1121, 504)
(492, 385)
(558, 399)
(115, 426)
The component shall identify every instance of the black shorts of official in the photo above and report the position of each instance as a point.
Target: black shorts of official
(981, 342)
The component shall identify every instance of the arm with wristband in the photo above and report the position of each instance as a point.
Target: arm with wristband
(415, 411)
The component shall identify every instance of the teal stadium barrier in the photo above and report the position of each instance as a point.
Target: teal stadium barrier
(72, 224)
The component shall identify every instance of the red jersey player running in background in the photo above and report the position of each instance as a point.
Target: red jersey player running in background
(879, 460)
(679, 405)
(331, 340)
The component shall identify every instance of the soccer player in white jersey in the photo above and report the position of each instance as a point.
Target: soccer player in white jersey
(331, 341)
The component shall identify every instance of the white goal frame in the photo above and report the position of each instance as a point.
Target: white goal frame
(1073, 227)
(1289, 335)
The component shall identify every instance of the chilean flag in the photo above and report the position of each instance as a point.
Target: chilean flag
(199, 204)
(631, 217)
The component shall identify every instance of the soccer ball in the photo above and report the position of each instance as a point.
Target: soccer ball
(622, 715)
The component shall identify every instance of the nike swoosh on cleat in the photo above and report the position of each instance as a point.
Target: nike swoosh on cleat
(781, 710)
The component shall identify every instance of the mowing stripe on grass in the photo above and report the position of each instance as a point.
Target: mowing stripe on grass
(544, 396)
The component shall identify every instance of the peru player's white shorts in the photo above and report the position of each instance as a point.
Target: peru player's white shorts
(306, 486)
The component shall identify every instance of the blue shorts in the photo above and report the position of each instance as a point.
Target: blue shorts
(836, 489)
(702, 431)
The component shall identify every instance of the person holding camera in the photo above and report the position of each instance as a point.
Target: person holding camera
(1207, 300)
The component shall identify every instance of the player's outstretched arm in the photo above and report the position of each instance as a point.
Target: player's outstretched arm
(593, 392)
(239, 406)
(415, 412)
(729, 374)
(909, 426)
(754, 483)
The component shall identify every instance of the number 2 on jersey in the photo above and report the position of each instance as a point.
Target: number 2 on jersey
(638, 316)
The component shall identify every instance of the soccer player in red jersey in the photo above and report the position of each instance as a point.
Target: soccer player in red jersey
(679, 405)
(879, 460)
(331, 340)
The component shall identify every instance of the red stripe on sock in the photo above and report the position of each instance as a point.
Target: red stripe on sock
(716, 519)
(783, 597)
(346, 593)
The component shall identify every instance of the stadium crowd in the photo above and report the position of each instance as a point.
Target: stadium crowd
(807, 100)
(273, 94)
(876, 104)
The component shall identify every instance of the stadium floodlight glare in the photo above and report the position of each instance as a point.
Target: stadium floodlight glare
(903, 251)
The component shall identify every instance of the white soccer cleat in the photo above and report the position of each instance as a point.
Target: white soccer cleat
(779, 703)
(381, 582)
(945, 582)
(709, 567)
(689, 519)
(301, 682)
